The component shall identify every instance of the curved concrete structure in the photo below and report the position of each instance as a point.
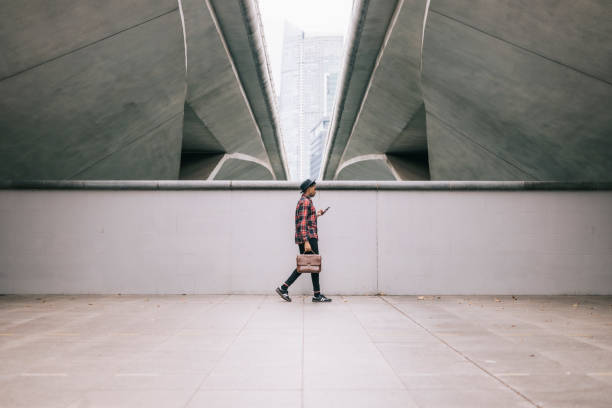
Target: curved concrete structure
(229, 107)
(240, 23)
(484, 90)
(91, 90)
(516, 92)
(381, 111)
(146, 90)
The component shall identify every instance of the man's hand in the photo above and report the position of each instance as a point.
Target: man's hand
(320, 213)
(307, 247)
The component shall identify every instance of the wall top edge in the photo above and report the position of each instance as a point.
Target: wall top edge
(289, 185)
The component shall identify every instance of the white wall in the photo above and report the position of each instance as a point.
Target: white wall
(241, 241)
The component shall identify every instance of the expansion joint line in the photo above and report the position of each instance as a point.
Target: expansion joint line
(440, 339)
(227, 349)
(129, 143)
(89, 44)
(342, 93)
(483, 147)
(382, 355)
(303, 349)
(527, 50)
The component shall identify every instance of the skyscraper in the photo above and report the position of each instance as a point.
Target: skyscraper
(317, 143)
(309, 75)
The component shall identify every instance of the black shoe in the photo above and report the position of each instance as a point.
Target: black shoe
(284, 294)
(321, 298)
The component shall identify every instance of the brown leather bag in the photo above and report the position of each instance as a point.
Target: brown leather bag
(308, 263)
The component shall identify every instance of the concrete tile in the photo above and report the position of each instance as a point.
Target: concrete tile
(258, 335)
(358, 398)
(332, 325)
(368, 300)
(149, 380)
(436, 352)
(560, 382)
(342, 335)
(426, 367)
(550, 342)
(122, 350)
(384, 317)
(409, 360)
(177, 361)
(43, 398)
(226, 315)
(347, 366)
(594, 360)
(199, 339)
(400, 335)
(517, 362)
(53, 381)
(433, 381)
(479, 343)
(249, 299)
(573, 399)
(246, 398)
(603, 377)
(258, 366)
(278, 316)
(131, 398)
(468, 398)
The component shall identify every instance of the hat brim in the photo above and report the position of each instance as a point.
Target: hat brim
(308, 186)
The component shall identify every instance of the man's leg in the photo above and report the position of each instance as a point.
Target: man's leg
(315, 284)
(283, 290)
(318, 297)
(314, 244)
(294, 275)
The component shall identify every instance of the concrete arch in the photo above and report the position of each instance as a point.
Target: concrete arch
(78, 96)
(134, 90)
(390, 114)
(373, 166)
(249, 168)
(514, 94)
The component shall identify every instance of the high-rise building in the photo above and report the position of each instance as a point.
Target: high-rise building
(317, 143)
(309, 74)
(331, 82)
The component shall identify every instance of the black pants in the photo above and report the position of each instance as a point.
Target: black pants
(314, 276)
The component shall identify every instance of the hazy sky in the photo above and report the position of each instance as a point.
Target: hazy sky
(313, 16)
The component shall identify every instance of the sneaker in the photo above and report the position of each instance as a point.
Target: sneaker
(321, 298)
(283, 293)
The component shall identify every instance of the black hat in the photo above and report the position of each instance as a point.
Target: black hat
(306, 183)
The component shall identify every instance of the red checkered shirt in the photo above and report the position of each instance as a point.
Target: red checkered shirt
(305, 220)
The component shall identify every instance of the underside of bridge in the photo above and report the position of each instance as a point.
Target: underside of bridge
(430, 90)
(475, 90)
(145, 89)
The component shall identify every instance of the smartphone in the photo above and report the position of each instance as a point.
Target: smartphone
(324, 211)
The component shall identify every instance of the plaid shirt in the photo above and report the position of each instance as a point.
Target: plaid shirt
(305, 220)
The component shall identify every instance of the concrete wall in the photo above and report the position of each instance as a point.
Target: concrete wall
(391, 115)
(518, 90)
(138, 90)
(78, 96)
(220, 116)
(241, 241)
(475, 90)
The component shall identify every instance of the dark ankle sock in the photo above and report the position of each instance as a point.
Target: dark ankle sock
(317, 294)
(284, 287)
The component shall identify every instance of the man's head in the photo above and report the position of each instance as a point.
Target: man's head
(308, 187)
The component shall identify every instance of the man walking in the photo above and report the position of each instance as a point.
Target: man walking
(307, 239)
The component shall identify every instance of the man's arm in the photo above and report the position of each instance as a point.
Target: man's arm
(302, 222)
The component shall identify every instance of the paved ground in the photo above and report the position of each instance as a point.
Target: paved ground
(251, 351)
